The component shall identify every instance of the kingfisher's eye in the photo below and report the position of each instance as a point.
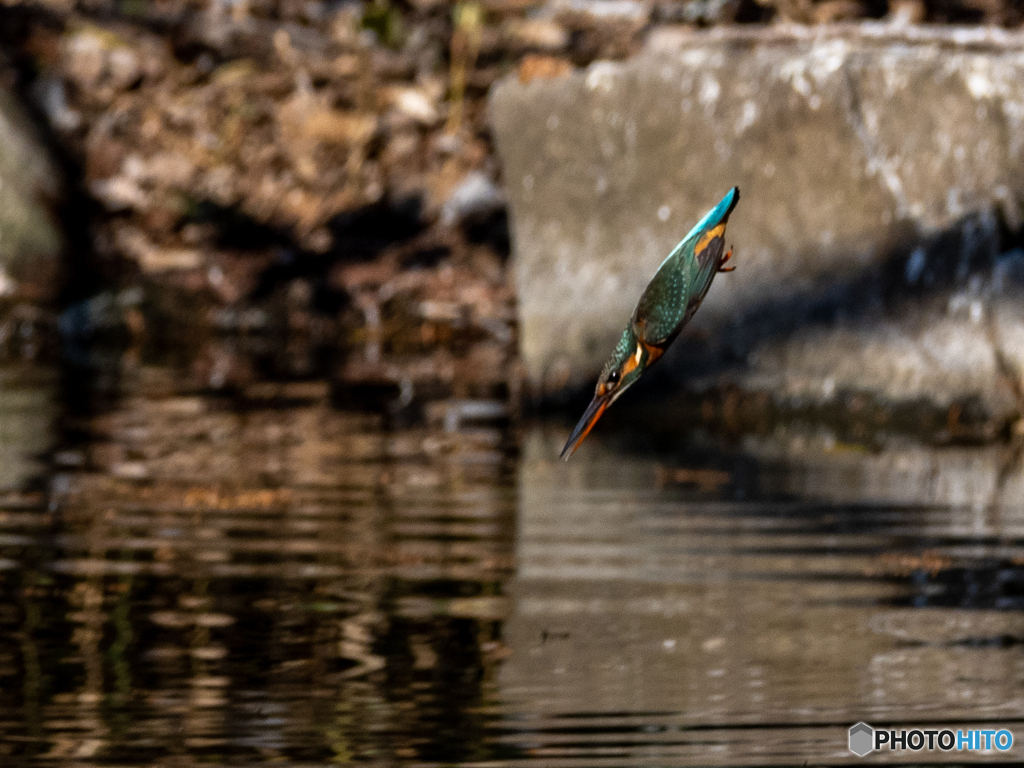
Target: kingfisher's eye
(613, 378)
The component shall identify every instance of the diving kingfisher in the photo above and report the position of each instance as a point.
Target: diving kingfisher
(667, 304)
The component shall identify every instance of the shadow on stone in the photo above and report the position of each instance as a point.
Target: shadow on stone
(953, 285)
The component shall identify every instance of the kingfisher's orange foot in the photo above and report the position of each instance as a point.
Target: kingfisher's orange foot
(722, 267)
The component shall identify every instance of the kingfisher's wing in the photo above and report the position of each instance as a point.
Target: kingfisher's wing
(684, 277)
(708, 251)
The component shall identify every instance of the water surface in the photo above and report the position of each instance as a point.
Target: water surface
(272, 576)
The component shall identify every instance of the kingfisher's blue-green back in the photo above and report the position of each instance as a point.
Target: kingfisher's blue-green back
(683, 278)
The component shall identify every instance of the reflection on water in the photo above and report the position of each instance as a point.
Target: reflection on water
(269, 578)
(675, 626)
(249, 579)
(28, 409)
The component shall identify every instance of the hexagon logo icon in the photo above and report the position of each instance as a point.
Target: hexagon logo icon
(862, 737)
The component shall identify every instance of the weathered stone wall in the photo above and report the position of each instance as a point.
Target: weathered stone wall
(880, 170)
(30, 241)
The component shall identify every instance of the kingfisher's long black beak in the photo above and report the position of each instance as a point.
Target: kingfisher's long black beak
(587, 421)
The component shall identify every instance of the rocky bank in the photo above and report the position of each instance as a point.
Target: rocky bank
(880, 168)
